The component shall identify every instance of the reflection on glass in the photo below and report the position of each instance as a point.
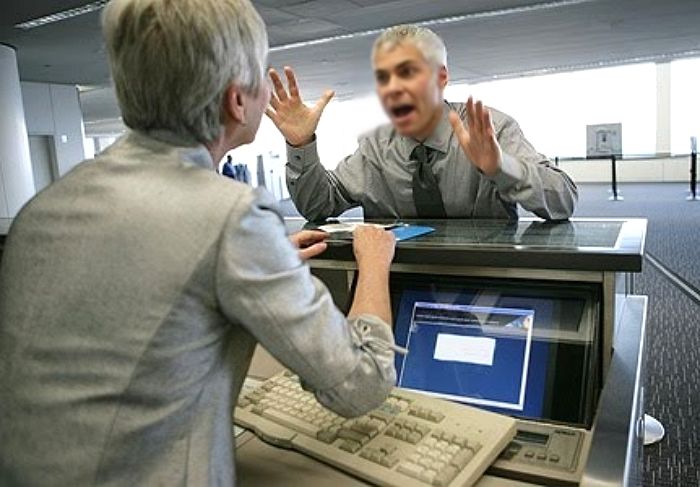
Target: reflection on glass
(524, 350)
(508, 233)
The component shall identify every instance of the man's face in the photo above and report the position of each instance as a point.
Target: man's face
(410, 89)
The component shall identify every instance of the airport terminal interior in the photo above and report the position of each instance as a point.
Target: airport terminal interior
(607, 90)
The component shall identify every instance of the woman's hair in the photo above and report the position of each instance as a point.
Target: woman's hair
(172, 61)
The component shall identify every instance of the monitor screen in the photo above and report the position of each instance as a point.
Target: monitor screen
(523, 353)
(475, 354)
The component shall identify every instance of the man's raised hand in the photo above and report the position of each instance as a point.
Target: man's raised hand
(291, 116)
(477, 138)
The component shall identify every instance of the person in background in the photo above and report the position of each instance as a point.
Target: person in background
(227, 168)
(134, 290)
(436, 159)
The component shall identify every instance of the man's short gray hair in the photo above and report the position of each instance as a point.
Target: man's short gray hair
(173, 60)
(428, 42)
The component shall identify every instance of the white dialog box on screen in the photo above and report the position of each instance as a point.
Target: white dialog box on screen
(466, 349)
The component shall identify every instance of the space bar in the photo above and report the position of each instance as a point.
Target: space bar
(291, 422)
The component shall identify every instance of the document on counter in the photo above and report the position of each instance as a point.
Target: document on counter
(402, 231)
(349, 227)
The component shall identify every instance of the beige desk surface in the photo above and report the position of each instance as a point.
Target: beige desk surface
(259, 464)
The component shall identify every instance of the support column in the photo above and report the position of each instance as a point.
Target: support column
(663, 109)
(16, 177)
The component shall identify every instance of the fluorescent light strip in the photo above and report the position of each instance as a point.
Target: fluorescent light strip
(441, 21)
(567, 68)
(59, 16)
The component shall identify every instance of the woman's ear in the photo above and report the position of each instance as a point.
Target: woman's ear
(234, 104)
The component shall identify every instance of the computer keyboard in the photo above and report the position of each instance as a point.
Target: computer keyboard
(410, 440)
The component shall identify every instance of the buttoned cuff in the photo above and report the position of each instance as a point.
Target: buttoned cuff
(509, 175)
(372, 333)
(299, 158)
(369, 383)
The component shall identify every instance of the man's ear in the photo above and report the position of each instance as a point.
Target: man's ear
(443, 77)
(234, 104)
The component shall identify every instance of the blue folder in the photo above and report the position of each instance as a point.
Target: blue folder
(405, 232)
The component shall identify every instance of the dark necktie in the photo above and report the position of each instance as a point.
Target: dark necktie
(426, 192)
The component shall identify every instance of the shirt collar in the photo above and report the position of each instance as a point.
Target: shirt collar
(188, 149)
(438, 140)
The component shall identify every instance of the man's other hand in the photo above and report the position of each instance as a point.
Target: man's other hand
(309, 242)
(477, 138)
(291, 116)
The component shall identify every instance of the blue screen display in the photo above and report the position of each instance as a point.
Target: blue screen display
(482, 355)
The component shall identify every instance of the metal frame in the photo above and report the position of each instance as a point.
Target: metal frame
(618, 430)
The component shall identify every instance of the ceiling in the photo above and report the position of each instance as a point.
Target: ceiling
(486, 39)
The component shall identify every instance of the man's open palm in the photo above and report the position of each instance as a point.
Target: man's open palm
(293, 118)
(477, 139)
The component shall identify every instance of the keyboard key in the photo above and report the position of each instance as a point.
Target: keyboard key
(402, 404)
(422, 429)
(348, 434)
(389, 461)
(291, 422)
(410, 469)
(382, 416)
(414, 438)
(462, 458)
(444, 477)
(435, 454)
(392, 431)
(402, 435)
(428, 476)
(435, 417)
(387, 449)
(350, 446)
(327, 436)
(371, 454)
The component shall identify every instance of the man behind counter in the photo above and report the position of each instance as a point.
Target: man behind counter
(436, 159)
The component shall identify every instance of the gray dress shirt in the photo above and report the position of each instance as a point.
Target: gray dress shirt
(378, 177)
(132, 294)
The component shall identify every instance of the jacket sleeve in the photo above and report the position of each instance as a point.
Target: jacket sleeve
(319, 193)
(262, 284)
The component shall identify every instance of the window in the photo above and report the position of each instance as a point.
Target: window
(553, 110)
(685, 104)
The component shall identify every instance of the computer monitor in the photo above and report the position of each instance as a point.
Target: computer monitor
(524, 350)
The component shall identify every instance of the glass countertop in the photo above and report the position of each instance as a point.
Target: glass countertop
(580, 234)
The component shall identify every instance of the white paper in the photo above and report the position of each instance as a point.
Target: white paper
(348, 227)
(466, 349)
